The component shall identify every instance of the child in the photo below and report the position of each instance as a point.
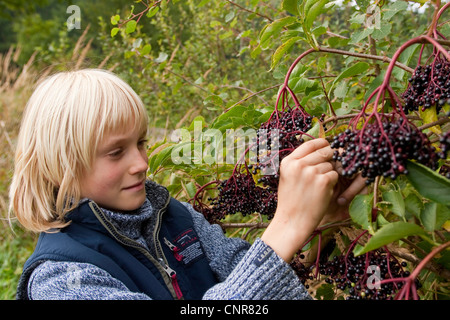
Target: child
(106, 232)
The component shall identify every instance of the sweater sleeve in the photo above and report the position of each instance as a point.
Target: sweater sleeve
(53, 280)
(247, 272)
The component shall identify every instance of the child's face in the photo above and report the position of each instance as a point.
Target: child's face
(116, 179)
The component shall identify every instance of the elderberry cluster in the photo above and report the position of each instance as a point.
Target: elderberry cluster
(428, 86)
(239, 193)
(277, 138)
(357, 276)
(383, 150)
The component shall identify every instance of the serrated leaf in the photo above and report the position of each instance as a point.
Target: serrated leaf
(429, 183)
(274, 29)
(390, 233)
(434, 215)
(413, 205)
(361, 211)
(341, 90)
(397, 204)
(281, 50)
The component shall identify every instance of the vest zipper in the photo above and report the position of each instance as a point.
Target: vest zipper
(169, 281)
(173, 275)
(174, 249)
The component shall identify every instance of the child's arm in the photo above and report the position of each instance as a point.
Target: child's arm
(247, 272)
(77, 281)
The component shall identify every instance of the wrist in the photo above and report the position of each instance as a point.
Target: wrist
(286, 237)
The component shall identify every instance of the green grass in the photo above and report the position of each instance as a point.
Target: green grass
(14, 251)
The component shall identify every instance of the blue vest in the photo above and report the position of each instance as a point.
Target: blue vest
(179, 271)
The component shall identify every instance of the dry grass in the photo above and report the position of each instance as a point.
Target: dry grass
(16, 85)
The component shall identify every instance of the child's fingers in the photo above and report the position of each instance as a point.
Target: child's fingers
(308, 147)
(324, 154)
(323, 167)
(357, 186)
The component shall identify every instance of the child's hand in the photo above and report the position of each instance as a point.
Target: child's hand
(344, 192)
(307, 179)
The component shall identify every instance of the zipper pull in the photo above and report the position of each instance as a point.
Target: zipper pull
(174, 249)
(173, 275)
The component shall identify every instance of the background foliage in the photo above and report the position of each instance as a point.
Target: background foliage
(222, 62)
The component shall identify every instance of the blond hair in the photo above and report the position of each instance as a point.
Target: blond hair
(64, 120)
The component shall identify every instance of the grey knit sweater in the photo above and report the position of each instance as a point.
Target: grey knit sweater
(245, 272)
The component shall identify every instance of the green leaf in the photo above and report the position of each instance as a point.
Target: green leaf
(383, 31)
(397, 204)
(341, 90)
(429, 183)
(114, 31)
(159, 159)
(413, 205)
(146, 49)
(313, 8)
(429, 115)
(358, 36)
(115, 19)
(226, 35)
(281, 50)
(325, 292)
(197, 124)
(154, 10)
(393, 8)
(214, 99)
(434, 215)
(352, 71)
(389, 233)
(407, 55)
(302, 84)
(361, 211)
(190, 188)
(131, 26)
(229, 16)
(274, 29)
(363, 4)
(291, 6)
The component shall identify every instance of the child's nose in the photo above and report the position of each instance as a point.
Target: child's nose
(140, 163)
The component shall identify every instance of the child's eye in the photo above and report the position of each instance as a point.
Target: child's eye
(115, 154)
(143, 143)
